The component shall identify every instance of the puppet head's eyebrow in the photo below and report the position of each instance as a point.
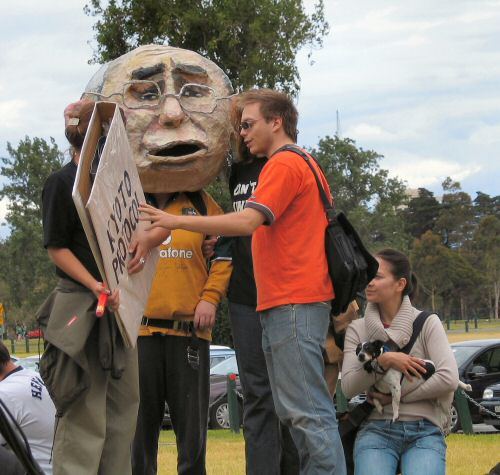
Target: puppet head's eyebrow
(146, 73)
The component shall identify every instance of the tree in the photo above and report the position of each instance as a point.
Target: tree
(254, 41)
(422, 213)
(487, 247)
(28, 277)
(445, 275)
(431, 262)
(456, 218)
(355, 175)
(485, 205)
(363, 190)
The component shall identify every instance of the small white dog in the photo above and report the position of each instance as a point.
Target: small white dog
(391, 381)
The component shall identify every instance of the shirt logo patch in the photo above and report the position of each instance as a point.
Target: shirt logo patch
(189, 212)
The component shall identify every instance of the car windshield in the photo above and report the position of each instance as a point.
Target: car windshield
(463, 353)
(30, 362)
(225, 367)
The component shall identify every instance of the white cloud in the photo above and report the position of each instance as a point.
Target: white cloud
(12, 112)
(486, 135)
(370, 132)
(419, 171)
(4, 202)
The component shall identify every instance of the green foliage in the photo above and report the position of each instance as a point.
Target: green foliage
(455, 221)
(28, 279)
(254, 41)
(422, 213)
(219, 191)
(456, 255)
(221, 333)
(487, 246)
(365, 192)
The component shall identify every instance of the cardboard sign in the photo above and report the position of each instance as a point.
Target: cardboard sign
(111, 216)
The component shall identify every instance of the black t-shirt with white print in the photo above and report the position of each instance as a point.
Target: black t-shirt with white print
(242, 183)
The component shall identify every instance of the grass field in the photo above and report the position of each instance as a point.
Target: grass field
(467, 455)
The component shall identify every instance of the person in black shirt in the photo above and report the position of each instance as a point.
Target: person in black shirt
(95, 429)
(269, 447)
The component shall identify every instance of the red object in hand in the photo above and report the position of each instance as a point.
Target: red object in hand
(101, 303)
(232, 377)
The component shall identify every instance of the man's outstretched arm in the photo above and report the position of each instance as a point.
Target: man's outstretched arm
(242, 223)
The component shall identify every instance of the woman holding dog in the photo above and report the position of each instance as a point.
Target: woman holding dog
(415, 441)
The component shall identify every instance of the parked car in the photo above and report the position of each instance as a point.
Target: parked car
(218, 355)
(218, 412)
(478, 364)
(36, 333)
(491, 401)
(30, 362)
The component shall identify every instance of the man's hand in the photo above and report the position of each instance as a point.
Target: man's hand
(208, 246)
(406, 364)
(204, 315)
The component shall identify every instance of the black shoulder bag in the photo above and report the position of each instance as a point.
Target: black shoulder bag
(350, 422)
(350, 265)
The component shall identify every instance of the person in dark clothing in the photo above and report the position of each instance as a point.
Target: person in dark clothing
(94, 434)
(269, 448)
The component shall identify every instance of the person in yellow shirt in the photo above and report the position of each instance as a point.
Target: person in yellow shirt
(174, 339)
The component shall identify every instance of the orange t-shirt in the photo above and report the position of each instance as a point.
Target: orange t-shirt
(288, 251)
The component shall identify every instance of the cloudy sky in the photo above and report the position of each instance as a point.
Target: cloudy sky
(416, 81)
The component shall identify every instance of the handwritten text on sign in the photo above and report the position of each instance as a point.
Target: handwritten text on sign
(122, 223)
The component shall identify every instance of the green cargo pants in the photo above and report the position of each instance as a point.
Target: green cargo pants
(95, 434)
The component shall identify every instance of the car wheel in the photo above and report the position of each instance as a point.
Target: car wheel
(455, 420)
(219, 415)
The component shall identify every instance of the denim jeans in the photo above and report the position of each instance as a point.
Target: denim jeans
(292, 340)
(269, 450)
(418, 445)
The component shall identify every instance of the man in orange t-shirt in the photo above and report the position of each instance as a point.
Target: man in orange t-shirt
(287, 219)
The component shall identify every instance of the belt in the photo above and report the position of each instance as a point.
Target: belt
(181, 325)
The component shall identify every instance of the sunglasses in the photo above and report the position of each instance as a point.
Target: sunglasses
(248, 124)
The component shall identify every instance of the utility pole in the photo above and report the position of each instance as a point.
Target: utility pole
(337, 133)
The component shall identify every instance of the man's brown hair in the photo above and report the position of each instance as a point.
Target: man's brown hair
(274, 104)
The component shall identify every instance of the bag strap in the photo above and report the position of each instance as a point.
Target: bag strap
(327, 203)
(418, 324)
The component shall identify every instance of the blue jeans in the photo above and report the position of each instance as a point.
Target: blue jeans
(418, 445)
(292, 340)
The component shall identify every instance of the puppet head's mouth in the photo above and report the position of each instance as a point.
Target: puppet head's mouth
(176, 152)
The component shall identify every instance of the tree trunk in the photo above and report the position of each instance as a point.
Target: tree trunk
(496, 288)
(433, 300)
(491, 306)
